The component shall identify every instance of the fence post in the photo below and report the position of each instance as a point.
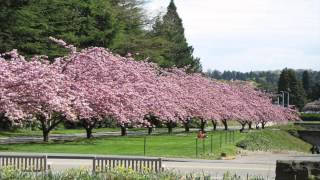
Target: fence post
(234, 133)
(196, 147)
(94, 164)
(226, 137)
(211, 144)
(46, 163)
(220, 140)
(144, 145)
(203, 146)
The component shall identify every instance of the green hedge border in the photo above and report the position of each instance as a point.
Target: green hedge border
(310, 117)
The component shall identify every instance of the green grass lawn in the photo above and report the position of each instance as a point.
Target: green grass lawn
(176, 145)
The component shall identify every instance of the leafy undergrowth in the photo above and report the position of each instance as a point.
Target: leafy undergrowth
(119, 173)
(273, 140)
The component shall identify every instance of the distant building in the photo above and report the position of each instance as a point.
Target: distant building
(312, 107)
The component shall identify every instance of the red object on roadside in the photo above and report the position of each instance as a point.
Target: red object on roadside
(201, 135)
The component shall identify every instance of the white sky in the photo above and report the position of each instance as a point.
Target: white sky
(247, 35)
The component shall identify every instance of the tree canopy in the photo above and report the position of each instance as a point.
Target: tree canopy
(120, 25)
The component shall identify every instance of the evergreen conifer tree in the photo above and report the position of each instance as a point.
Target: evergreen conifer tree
(171, 28)
(306, 82)
(288, 82)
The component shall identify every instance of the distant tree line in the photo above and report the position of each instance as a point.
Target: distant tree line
(304, 85)
(120, 25)
(266, 79)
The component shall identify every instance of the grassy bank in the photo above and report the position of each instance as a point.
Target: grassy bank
(176, 145)
(273, 140)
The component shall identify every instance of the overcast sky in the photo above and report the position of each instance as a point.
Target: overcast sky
(247, 35)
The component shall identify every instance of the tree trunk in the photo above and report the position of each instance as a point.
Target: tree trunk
(250, 125)
(123, 131)
(214, 123)
(88, 126)
(257, 126)
(169, 126)
(44, 128)
(45, 134)
(202, 125)
(263, 125)
(224, 122)
(89, 132)
(48, 124)
(186, 127)
(149, 130)
(169, 129)
(243, 125)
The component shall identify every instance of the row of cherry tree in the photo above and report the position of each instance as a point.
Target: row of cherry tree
(93, 84)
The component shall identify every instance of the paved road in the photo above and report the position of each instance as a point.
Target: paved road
(259, 164)
(70, 137)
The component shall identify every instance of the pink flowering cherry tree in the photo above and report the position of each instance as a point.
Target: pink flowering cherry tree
(113, 86)
(35, 89)
(93, 84)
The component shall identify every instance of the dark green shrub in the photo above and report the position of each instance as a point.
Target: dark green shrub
(310, 117)
(223, 154)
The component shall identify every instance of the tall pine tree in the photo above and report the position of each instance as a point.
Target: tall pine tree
(306, 82)
(170, 27)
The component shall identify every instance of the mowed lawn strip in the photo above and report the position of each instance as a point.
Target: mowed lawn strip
(176, 145)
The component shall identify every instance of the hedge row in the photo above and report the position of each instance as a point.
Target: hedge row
(310, 117)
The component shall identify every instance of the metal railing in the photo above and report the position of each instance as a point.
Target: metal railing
(103, 164)
(24, 162)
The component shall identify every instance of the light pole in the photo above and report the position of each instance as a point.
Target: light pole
(282, 92)
(288, 98)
